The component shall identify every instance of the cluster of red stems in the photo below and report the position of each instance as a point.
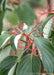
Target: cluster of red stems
(29, 38)
(49, 11)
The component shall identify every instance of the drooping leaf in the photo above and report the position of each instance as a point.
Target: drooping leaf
(14, 44)
(12, 70)
(7, 64)
(47, 53)
(28, 65)
(25, 14)
(16, 39)
(3, 39)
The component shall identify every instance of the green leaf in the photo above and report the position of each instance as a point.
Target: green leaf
(3, 39)
(53, 40)
(4, 53)
(46, 20)
(34, 3)
(12, 70)
(2, 10)
(24, 1)
(28, 65)
(3, 5)
(1, 21)
(0, 4)
(16, 39)
(0, 1)
(51, 15)
(47, 29)
(12, 42)
(7, 64)
(47, 53)
(25, 14)
(11, 17)
(1, 73)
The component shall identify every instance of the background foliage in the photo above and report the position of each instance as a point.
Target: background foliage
(16, 14)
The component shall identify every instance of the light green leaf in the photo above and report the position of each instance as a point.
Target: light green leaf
(4, 53)
(47, 29)
(3, 39)
(28, 65)
(11, 17)
(47, 53)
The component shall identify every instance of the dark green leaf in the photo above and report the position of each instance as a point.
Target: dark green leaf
(0, 1)
(7, 64)
(52, 15)
(12, 70)
(28, 65)
(3, 5)
(53, 40)
(1, 73)
(47, 53)
(35, 3)
(46, 20)
(2, 10)
(1, 21)
(25, 14)
(12, 43)
(0, 4)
